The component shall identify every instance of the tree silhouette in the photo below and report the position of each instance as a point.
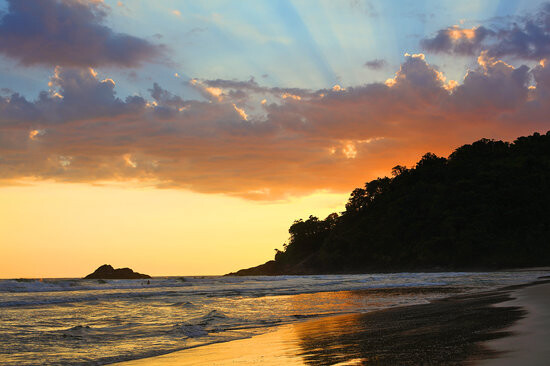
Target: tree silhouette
(484, 207)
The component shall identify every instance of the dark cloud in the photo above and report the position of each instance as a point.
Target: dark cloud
(458, 40)
(376, 64)
(528, 38)
(239, 91)
(251, 85)
(330, 139)
(164, 97)
(68, 33)
(74, 95)
(496, 86)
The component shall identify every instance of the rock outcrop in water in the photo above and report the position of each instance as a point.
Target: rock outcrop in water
(107, 272)
(484, 207)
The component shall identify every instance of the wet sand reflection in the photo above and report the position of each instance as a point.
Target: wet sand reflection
(445, 332)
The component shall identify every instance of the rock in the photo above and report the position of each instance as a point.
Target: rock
(269, 268)
(107, 272)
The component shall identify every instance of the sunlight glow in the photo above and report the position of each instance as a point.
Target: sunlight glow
(241, 112)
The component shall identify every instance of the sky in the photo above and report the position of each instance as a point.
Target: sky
(185, 137)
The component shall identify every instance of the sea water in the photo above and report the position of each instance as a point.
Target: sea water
(76, 321)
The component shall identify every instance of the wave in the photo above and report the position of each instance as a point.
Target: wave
(126, 319)
(28, 300)
(78, 332)
(184, 304)
(65, 291)
(193, 331)
(60, 285)
(200, 326)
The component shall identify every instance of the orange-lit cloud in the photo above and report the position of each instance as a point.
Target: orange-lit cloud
(241, 112)
(128, 160)
(456, 32)
(292, 96)
(526, 38)
(328, 140)
(211, 92)
(33, 134)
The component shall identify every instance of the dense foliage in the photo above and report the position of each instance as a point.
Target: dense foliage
(487, 206)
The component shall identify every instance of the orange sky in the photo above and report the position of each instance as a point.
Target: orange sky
(177, 142)
(220, 188)
(67, 230)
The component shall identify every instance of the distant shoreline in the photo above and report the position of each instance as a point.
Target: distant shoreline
(257, 269)
(449, 331)
(427, 270)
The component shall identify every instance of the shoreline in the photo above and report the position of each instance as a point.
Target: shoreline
(456, 330)
(529, 343)
(245, 272)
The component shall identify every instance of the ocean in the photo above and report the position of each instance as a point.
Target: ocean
(94, 322)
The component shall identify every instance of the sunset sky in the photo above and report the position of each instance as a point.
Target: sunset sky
(184, 137)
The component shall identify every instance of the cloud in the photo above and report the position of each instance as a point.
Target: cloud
(528, 38)
(495, 86)
(79, 130)
(456, 40)
(73, 95)
(241, 112)
(69, 33)
(376, 64)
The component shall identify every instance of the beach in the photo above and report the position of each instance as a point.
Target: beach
(502, 327)
(394, 318)
(529, 343)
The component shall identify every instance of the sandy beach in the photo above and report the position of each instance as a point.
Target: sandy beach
(505, 327)
(529, 343)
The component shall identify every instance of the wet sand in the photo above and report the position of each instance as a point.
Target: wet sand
(453, 331)
(530, 342)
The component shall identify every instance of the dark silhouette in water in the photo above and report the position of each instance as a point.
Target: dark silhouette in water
(107, 271)
(484, 207)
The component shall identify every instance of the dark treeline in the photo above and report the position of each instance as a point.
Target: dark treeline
(487, 206)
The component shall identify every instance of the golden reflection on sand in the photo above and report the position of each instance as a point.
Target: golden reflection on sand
(278, 347)
(326, 302)
(329, 340)
(292, 344)
(299, 343)
(445, 332)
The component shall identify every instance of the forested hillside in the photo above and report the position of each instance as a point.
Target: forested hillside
(486, 206)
